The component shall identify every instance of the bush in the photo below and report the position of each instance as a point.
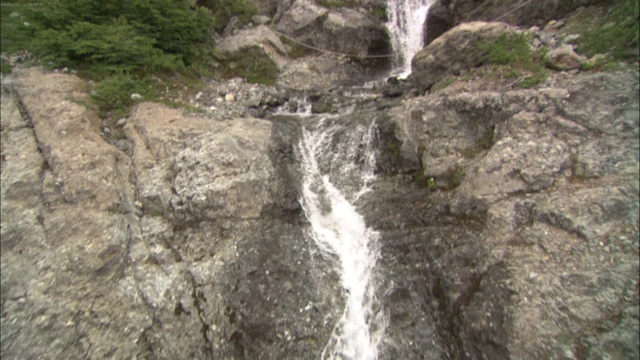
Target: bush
(113, 94)
(223, 10)
(115, 35)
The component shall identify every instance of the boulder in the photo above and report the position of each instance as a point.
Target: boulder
(343, 30)
(439, 20)
(260, 38)
(515, 12)
(563, 58)
(326, 71)
(453, 52)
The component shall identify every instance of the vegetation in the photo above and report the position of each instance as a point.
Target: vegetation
(616, 33)
(252, 65)
(512, 55)
(137, 46)
(223, 10)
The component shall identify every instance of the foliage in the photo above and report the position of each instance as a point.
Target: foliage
(455, 176)
(110, 36)
(5, 67)
(617, 34)
(16, 31)
(224, 10)
(113, 94)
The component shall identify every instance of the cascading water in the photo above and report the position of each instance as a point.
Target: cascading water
(341, 234)
(406, 27)
(337, 229)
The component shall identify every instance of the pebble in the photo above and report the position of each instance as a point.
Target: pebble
(533, 275)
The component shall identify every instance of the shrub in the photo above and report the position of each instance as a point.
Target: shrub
(113, 94)
(120, 35)
(223, 10)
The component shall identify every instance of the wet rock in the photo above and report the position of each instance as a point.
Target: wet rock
(440, 19)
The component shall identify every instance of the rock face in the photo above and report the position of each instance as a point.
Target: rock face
(544, 264)
(514, 12)
(342, 30)
(320, 73)
(185, 249)
(260, 37)
(455, 51)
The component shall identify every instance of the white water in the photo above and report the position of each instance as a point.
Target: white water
(340, 233)
(406, 27)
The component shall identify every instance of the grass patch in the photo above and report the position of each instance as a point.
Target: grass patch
(616, 33)
(512, 57)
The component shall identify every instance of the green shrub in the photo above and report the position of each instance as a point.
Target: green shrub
(223, 10)
(113, 94)
(115, 35)
(16, 31)
(110, 47)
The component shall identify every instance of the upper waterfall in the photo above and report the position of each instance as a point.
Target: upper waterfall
(406, 27)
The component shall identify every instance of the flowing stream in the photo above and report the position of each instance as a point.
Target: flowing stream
(342, 236)
(337, 170)
(406, 27)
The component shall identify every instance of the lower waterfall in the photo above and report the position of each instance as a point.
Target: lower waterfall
(343, 237)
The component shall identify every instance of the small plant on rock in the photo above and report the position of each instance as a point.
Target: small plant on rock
(514, 58)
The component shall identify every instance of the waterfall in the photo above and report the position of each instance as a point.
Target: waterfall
(342, 236)
(406, 27)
